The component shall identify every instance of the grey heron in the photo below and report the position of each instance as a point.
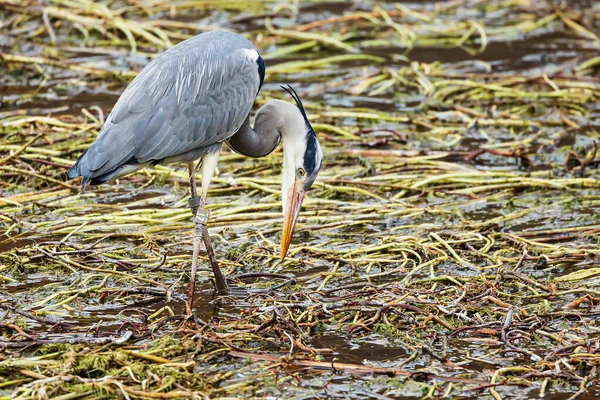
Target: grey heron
(182, 106)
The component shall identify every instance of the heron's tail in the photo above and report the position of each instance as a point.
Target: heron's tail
(74, 171)
(89, 177)
(93, 178)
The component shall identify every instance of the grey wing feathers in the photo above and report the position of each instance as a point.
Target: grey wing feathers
(194, 95)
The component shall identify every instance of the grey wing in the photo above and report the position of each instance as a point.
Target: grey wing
(188, 98)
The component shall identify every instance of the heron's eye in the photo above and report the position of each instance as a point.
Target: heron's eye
(301, 172)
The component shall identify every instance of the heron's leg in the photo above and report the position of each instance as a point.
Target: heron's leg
(194, 202)
(200, 218)
(209, 164)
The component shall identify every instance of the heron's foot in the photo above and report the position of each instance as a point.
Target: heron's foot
(231, 290)
(238, 291)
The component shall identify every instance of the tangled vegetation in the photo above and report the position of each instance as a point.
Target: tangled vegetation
(449, 247)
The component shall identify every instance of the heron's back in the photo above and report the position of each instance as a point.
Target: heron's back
(183, 104)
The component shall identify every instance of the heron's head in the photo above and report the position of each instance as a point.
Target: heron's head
(302, 158)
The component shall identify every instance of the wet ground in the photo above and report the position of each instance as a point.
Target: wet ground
(449, 247)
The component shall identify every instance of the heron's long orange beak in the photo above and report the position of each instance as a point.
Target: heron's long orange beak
(295, 195)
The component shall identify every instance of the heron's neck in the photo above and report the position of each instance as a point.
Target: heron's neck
(275, 120)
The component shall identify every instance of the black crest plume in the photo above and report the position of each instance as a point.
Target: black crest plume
(296, 98)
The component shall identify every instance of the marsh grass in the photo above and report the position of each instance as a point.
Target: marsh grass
(449, 246)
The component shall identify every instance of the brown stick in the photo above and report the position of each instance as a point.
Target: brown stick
(351, 368)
